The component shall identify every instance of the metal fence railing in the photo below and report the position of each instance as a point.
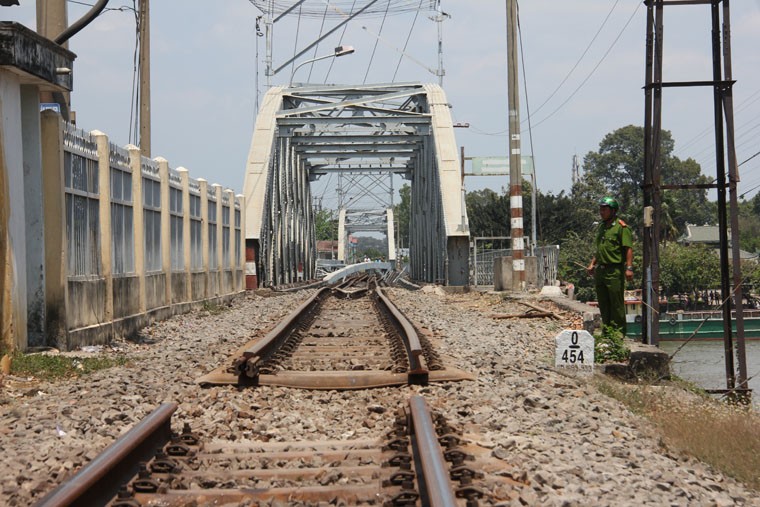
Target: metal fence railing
(547, 261)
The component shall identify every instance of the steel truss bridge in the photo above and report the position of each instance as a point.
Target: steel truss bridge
(364, 133)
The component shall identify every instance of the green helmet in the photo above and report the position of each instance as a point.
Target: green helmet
(609, 201)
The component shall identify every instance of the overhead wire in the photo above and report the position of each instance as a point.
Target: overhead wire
(530, 128)
(604, 56)
(312, 8)
(134, 100)
(377, 41)
(321, 28)
(614, 42)
(406, 43)
(340, 41)
(583, 55)
(295, 44)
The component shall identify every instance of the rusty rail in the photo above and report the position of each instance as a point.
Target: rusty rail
(438, 488)
(412, 342)
(247, 363)
(98, 482)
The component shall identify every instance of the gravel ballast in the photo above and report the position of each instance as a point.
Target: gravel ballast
(571, 444)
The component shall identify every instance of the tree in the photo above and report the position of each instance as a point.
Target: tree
(619, 166)
(488, 213)
(326, 225)
(401, 213)
(688, 269)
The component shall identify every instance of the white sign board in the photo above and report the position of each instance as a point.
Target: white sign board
(574, 349)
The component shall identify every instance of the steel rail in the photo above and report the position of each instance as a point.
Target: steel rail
(247, 364)
(435, 473)
(409, 335)
(98, 482)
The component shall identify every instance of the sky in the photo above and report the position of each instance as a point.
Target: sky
(581, 75)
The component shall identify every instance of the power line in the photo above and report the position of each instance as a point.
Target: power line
(406, 43)
(377, 41)
(564, 80)
(638, 6)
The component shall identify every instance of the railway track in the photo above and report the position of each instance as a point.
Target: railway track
(422, 461)
(349, 337)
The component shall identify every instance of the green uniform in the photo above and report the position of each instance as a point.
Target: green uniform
(609, 274)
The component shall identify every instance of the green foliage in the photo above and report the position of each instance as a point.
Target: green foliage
(488, 213)
(686, 269)
(402, 214)
(575, 253)
(619, 165)
(53, 367)
(609, 346)
(749, 224)
(326, 224)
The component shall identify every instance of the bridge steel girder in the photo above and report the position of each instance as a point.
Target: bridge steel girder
(354, 127)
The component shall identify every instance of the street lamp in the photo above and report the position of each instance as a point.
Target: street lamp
(339, 51)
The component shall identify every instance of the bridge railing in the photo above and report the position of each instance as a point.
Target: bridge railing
(140, 241)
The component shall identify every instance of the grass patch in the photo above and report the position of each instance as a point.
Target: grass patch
(213, 308)
(53, 367)
(726, 436)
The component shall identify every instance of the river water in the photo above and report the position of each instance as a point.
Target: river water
(702, 362)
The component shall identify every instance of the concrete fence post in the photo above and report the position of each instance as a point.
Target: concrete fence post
(166, 238)
(184, 174)
(203, 184)
(138, 223)
(230, 199)
(240, 263)
(56, 250)
(217, 190)
(104, 201)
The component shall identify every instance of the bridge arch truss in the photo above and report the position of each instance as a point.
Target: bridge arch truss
(303, 133)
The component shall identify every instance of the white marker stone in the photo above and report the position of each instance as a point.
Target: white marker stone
(574, 349)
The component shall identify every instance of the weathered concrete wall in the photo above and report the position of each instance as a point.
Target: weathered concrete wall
(85, 302)
(227, 282)
(179, 287)
(198, 282)
(155, 291)
(125, 302)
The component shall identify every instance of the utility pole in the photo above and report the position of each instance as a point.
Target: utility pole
(144, 28)
(515, 158)
(52, 20)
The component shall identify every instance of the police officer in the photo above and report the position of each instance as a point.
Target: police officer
(612, 264)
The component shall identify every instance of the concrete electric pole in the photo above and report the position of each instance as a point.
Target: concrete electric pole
(53, 20)
(515, 156)
(144, 20)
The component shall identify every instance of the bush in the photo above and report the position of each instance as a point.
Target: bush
(609, 346)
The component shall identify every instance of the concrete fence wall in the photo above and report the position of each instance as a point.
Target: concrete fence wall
(128, 239)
